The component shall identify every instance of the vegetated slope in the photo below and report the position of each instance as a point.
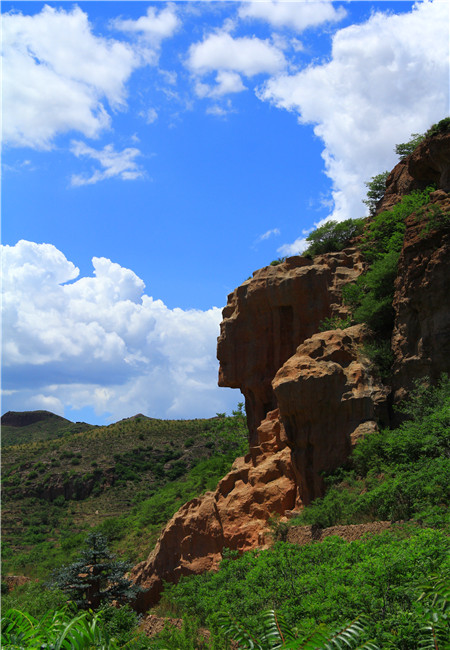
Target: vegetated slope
(55, 490)
(396, 474)
(19, 427)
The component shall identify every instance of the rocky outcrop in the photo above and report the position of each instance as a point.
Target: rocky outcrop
(268, 316)
(235, 516)
(328, 399)
(428, 164)
(421, 336)
(318, 390)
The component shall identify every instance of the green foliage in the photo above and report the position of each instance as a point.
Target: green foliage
(375, 192)
(395, 474)
(189, 637)
(273, 632)
(435, 600)
(385, 232)
(57, 630)
(333, 236)
(278, 261)
(121, 624)
(370, 297)
(406, 148)
(335, 322)
(443, 126)
(380, 354)
(34, 598)
(97, 577)
(329, 582)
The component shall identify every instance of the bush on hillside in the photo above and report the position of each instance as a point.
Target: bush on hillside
(333, 236)
(406, 148)
(443, 126)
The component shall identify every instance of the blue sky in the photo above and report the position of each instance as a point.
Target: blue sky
(155, 154)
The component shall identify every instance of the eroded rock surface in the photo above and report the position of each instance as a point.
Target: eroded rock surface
(421, 336)
(234, 516)
(328, 398)
(268, 316)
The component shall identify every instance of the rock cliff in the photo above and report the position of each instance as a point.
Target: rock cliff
(311, 395)
(235, 516)
(268, 316)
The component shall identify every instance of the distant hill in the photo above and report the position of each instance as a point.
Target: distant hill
(128, 478)
(19, 427)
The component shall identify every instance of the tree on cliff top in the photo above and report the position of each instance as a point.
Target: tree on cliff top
(96, 577)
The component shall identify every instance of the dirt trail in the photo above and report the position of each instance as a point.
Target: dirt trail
(306, 534)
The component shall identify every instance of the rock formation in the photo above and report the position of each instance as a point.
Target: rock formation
(429, 164)
(235, 516)
(421, 336)
(268, 316)
(310, 396)
(328, 399)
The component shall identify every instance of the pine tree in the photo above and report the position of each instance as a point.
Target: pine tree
(96, 577)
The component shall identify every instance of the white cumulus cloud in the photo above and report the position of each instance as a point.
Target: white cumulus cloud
(59, 76)
(100, 341)
(385, 79)
(226, 83)
(154, 26)
(119, 164)
(294, 14)
(247, 55)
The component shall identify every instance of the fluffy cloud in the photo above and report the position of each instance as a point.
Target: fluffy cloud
(231, 57)
(58, 76)
(226, 82)
(119, 164)
(100, 341)
(248, 56)
(153, 27)
(292, 13)
(386, 78)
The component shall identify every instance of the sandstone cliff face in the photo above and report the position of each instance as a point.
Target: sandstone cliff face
(234, 516)
(328, 399)
(421, 336)
(267, 317)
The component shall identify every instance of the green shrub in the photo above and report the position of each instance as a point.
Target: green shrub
(443, 126)
(384, 234)
(406, 148)
(380, 354)
(335, 322)
(333, 236)
(376, 189)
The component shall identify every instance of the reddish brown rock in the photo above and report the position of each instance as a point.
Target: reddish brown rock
(428, 164)
(268, 316)
(421, 336)
(327, 398)
(234, 516)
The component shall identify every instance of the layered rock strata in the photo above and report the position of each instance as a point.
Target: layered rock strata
(235, 516)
